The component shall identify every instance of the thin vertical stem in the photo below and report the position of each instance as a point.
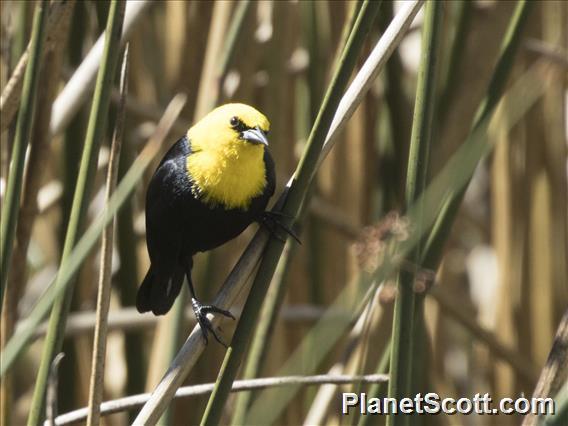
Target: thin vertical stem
(403, 322)
(39, 148)
(275, 296)
(511, 40)
(95, 132)
(103, 296)
(235, 282)
(85, 245)
(257, 352)
(24, 125)
(292, 204)
(463, 12)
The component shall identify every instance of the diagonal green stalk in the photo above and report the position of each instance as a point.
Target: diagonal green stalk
(456, 173)
(69, 268)
(560, 416)
(429, 258)
(300, 184)
(267, 321)
(24, 125)
(430, 255)
(403, 322)
(441, 229)
(235, 282)
(275, 295)
(95, 133)
(220, 67)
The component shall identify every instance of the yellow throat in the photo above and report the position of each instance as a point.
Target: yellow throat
(225, 169)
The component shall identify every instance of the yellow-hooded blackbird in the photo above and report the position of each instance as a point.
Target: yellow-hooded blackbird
(212, 183)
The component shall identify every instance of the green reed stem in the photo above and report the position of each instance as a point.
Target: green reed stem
(403, 322)
(95, 133)
(24, 126)
(292, 203)
(441, 229)
(77, 257)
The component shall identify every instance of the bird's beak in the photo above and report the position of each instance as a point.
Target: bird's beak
(256, 136)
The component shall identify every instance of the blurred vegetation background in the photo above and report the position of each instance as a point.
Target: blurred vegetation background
(499, 292)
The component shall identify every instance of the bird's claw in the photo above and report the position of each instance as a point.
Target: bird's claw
(273, 220)
(201, 312)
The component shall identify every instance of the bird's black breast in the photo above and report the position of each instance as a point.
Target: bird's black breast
(178, 223)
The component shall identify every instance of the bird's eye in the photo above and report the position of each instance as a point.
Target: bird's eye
(234, 121)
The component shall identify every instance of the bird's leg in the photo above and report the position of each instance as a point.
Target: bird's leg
(274, 220)
(200, 310)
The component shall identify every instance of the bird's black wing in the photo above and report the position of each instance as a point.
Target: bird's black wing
(163, 213)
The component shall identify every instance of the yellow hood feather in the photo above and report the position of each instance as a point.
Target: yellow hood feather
(224, 168)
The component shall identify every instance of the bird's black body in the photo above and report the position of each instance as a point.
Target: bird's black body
(180, 224)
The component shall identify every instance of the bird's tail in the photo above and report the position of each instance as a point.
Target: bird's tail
(158, 292)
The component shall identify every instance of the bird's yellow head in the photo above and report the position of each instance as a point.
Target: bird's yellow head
(227, 161)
